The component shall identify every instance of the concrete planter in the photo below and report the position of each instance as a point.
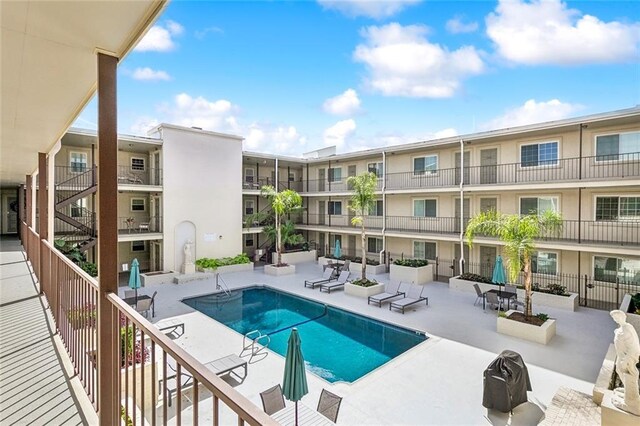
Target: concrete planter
(359, 291)
(236, 268)
(371, 269)
(279, 270)
(632, 319)
(569, 303)
(324, 260)
(150, 400)
(422, 275)
(157, 278)
(542, 334)
(295, 257)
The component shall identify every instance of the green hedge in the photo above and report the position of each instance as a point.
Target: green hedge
(412, 263)
(207, 263)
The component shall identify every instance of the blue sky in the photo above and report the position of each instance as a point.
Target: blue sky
(293, 76)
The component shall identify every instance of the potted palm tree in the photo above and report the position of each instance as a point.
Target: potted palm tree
(282, 203)
(518, 233)
(362, 201)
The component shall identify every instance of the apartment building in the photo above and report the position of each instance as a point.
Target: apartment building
(587, 168)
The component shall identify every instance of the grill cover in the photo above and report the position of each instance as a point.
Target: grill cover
(506, 382)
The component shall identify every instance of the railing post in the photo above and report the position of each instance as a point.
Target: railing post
(617, 292)
(586, 291)
(108, 370)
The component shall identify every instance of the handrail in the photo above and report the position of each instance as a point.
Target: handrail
(78, 270)
(246, 410)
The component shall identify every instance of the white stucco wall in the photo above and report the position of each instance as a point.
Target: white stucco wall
(202, 176)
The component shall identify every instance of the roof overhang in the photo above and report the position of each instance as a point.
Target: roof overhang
(49, 68)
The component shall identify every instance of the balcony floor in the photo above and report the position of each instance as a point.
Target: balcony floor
(37, 383)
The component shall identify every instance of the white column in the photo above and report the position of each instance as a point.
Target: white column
(51, 170)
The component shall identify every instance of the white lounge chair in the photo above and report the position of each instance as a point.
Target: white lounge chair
(344, 276)
(327, 276)
(414, 295)
(391, 291)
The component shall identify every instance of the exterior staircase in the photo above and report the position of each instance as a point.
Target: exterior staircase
(75, 224)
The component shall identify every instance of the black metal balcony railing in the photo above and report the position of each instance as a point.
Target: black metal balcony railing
(139, 225)
(295, 185)
(342, 221)
(320, 185)
(130, 176)
(432, 225)
(256, 184)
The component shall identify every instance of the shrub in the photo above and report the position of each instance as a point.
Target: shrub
(634, 306)
(364, 283)
(468, 276)
(354, 259)
(557, 289)
(542, 317)
(412, 263)
(90, 268)
(82, 317)
(207, 263)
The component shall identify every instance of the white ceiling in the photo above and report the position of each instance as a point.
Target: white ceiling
(49, 68)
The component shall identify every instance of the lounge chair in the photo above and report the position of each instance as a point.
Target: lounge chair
(272, 400)
(329, 405)
(479, 294)
(414, 295)
(344, 276)
(391, 291)
(327, 276)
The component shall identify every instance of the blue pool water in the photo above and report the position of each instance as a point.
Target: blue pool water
(337, 345)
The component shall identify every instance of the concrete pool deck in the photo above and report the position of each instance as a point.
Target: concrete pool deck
(437, 382)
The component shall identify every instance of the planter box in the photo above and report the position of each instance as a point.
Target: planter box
(150, 400)
(371, 269)
(422, 275)
(533, 333)
(278, 271)
(157, 278)
(295, 257)
(359, 291)
(236, 268)
(632, 319)
(569, 303)
(323, 260)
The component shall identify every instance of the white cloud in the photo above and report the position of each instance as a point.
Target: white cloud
(402, 62)
(142, 125)
(548, 32)
(160, 38)
(339, 133)
(148, 74)
(532, 112)
(218, 115)
(345, 103)
(445, 133)
(210, 30)
(275, 139)
(376, 9)
(456, 25)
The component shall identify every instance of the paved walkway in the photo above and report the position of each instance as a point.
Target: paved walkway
(37, 386)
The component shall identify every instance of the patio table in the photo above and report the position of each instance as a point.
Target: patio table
(131, 301)
(306, 416)
(501, 294)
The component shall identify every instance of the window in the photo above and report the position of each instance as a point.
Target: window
(248, 207)
(292, 177)
(248, 240)
(422, 165)
(544, 262)
(377, 209)
(539, 154)
(611, 268)
(77, 208)
(137, 246)
(377, 168)
(335, 174)
(424, 250)
(537, 205)
(617, 208)
(425, 208)
(374, 245)
(335, 207)
(332, 241)
(137, 164)
(614, 147)
(248, 175)
(78, 162)
(138, 204)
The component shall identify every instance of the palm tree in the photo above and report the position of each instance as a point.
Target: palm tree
(288, 233)
(362, 201)
(282, 203)
(518, 233)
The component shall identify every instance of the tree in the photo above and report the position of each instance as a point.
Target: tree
(288, 234)
(363, 199)
(518, 233)
(282, 203)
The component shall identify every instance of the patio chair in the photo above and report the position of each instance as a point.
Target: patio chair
(272, 400)
(391, 291)
(479, 294)
(329, 405)
(344, 276)
(328, 265)
(143, 227)
(344, 266)
(129, 293)
(414, 295)
(144, 306)
(511, 289)
(493, 301)
(327, 276)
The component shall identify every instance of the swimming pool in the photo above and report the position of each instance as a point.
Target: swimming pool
(337, 345)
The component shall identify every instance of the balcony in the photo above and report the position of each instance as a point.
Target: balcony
(132, 176)
(341, 221)
(252, 184)
(323, 185)
(139, 225)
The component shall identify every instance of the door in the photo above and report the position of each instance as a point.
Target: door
(351, 247)
(465, 215)
(350, 213)
(351, 171)
(488, 204)
(321, 212)
(156, 171)
(487, 260)
(489, 165)
(9, 214)
(467, 161)
(321, 244)
(156, 256)
(321, 178)
(155, 224)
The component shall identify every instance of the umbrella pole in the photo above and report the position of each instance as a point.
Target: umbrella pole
(136, 289)
(296, 423)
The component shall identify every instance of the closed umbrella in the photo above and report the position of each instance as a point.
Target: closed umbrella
(294, 383)
(337, 251)
(498, 276)
(134, 278)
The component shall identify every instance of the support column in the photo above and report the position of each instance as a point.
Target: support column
(51, 179)
(34, 199)
(21, 213)
(27, 212)
(43, 221)
(108, 240)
